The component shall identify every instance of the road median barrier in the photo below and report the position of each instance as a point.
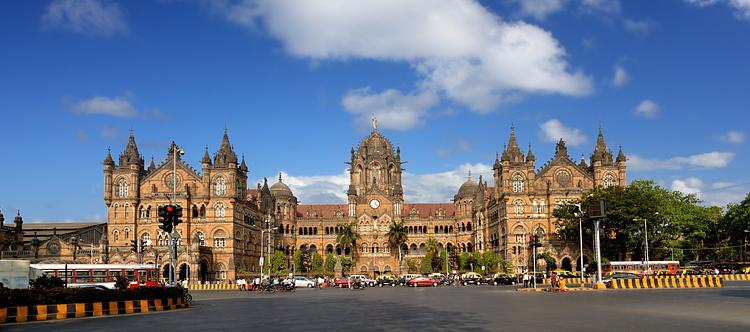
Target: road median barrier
(668, 282)
(43, 312)
(735, 277)
(213, 287)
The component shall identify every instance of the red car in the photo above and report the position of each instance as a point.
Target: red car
(422, 282)
(341, 282)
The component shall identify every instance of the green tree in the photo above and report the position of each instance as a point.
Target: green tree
(490, 261)
(330, 264)
(735, 225)
(426, 264)
(548, 260)
(278, 263)
(346, 263)
(465, 261)
(299, 261)
(397, 235)
(413, 264)
(46, 282)
(317, 264)
(348, 237)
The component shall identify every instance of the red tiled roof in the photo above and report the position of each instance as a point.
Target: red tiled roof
(322, 210)
(425, 210)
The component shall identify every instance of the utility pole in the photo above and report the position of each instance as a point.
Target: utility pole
(172, 240)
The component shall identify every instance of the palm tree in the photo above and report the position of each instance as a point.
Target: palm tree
(397, 235)
(348, 237)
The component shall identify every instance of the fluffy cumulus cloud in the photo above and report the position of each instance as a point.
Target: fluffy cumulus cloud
(88, 17)
(705, 160)
(734, 137)
(553, 130)
(620, 76)
(117, 106)
(741, 8)
(424, 188)
(540, 9)
(647, 109)
(717, 193)
(393, 109)
(458, 48)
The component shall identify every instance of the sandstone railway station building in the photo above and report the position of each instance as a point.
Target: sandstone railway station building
(220, 237)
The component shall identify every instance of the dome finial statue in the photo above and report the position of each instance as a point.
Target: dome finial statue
(374, 122)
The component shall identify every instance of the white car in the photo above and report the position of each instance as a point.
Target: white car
(300, 281)
(363, 278)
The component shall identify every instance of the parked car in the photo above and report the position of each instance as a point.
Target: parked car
(471, 278)
(422, 282)
(619, 276)
(363, 278)
(503, 279)
(341, 282)
(300, 281)
(386, 280)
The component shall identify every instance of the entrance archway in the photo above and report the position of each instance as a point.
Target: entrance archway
(203, 271)
(184, 272)
(566, 265)
(578, 263)
(165, 271)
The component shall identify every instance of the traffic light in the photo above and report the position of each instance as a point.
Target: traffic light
(134, 246)
(166, 218)
(535, 243)
(176, 215)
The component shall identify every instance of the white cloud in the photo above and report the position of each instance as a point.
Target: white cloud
(734, 137)
(639, 27)
(601, 6)
(392, 109)
(88, 17)
(647, 108)
(706, 160)
(540, 9)
(118, 106)
(741, 7)
(691, 185)
(714, 194)
(620, 77)
(459, 49)
(553, 130)
(418, 188)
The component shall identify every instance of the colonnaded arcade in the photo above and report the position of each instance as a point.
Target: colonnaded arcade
(221, 235)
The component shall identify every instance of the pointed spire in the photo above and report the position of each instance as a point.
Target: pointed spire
(582, 163)
(18, 220)
(621, 156)
(469, 177)
(601, 153)
(243, 165)
(530, 157)
(561, 150)
(130, 155)
(497, 161)
(279, 176)
(2, 218)
(514, 152)
(206, 158)
(504, 156)
(152, 165)
(225, 155)
(108, 160)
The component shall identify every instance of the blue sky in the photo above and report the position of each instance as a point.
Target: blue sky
(295, 83)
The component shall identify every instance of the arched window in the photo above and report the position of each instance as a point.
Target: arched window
(121, 188)
(145, 239)
(202, 211)
(127, 234)
(141, 212)
(115, 210)
(520, 237)
(220, 210)
(116, 235)
(518, 206)
(201, 239)
(534, 207)
(221, 272)
(126, 207)
(542, 207)
(220, 186)
(220, 239)
(517, 183)
(609, 180)
(195, 211)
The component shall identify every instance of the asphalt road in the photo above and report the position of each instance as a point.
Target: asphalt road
(483, 308)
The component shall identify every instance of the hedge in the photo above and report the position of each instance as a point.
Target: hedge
(27, 297)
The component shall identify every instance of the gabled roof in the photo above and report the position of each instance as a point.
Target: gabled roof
(322, 210)
(426, 210)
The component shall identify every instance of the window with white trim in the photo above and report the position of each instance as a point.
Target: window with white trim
(220, 186)
(517, 182)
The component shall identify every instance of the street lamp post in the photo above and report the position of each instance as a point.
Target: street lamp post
(172, 244)
(647, 268)
(580, 236)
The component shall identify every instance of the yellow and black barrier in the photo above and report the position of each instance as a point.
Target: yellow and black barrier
(668, 282)
(735, 277)
(44, 312)
(214, 287)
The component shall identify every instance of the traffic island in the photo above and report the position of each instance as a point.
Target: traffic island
(44, 312)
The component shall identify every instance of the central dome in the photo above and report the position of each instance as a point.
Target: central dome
(281, 190)
(468, 189)
(375, 144)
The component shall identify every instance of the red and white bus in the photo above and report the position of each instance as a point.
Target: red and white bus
(102, 274)
(640, 267)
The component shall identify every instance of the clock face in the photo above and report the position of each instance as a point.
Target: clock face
(374, 203)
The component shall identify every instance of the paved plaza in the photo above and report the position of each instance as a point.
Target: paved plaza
(477, 308)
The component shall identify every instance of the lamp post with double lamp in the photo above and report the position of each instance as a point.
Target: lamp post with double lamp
(172, 244)
(262, 254)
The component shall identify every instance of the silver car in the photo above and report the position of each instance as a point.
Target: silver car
(300, 281)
